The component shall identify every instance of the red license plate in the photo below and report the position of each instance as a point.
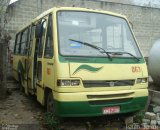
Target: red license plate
(111, 110)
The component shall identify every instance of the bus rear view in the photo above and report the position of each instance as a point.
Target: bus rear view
(99, 67)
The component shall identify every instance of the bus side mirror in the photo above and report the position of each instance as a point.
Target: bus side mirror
(39, 30)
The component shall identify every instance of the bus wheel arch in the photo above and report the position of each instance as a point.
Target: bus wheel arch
(49, 100)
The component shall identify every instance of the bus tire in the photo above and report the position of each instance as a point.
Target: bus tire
(50, 103)
(20, 83)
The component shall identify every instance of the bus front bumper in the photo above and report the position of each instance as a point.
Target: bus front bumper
(71, 107)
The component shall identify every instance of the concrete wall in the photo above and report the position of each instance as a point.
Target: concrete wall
(145, 19)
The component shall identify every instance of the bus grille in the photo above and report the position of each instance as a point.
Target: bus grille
(102, 83)
(108, 102)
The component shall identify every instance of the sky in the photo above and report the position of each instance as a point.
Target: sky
(152, 3)
(12, 1)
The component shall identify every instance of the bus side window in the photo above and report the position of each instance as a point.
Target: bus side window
(23, 41)
(30, 40)
(17, 43)
(26, 49)
(41, 42)
(48, 53)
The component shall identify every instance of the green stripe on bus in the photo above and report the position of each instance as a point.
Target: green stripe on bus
(87, 67)
(81, 109)
(115, 60)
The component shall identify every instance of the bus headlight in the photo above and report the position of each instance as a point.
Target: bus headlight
(75, 82)
(63, 83)
(68, 82)
(142, 80)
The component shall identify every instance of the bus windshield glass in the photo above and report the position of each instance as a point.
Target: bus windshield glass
(109, 32)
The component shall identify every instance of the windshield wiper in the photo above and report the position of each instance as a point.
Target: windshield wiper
(123, 52)
(101, 50)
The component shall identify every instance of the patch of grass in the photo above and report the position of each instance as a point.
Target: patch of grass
(52, 121)
(138, 117)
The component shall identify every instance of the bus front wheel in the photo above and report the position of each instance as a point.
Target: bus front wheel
(50, 103)
(20, 82)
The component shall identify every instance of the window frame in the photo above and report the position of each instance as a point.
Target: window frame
(31, 37)
(17, 51)
(24, 42)
(50, 21)
(40, 39)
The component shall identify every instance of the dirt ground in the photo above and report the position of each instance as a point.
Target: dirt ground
(24, 111)
(20, 109)
(21, 112)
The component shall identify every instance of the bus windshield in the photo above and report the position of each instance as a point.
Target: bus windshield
(101, 30)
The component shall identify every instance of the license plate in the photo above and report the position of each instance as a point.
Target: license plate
(111, 110)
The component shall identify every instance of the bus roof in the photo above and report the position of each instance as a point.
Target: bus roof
(78, 9)
(74, 9)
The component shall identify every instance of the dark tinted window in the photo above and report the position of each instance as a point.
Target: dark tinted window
(24, 41)
(49, 40)
(17, 43)
(41, 40)
(30, 41)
